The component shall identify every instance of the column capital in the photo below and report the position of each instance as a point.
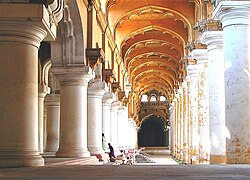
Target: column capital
(22, 32)
(108, 98)
(27, 23)
(43, 90)
(96, 88)
(209, 25)
(52, 100)
(73, 76)
(233, 13)
(213, 39)
(192, 69)
(200, 54)
(121, 110)
(193, 73)
(115, 105)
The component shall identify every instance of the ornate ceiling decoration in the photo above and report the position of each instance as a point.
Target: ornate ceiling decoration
(151, 36)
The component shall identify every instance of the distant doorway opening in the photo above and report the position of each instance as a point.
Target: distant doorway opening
(153, 132)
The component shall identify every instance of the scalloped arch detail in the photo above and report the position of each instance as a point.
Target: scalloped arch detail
(152, 9)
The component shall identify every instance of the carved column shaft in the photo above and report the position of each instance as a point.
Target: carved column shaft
(73, 110)
(106, 117)
(42, 92)
(185, 122)
(19, 43)
(234, 16)
(176, 133)
(53, 119)
(201, 56)
(122, 125)
(180, 114)
(114, 125)
(96, 91)
(214, 41)
(192, 72)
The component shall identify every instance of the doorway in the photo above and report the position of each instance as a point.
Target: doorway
(153, 132)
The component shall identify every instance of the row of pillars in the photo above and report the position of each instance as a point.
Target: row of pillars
(213, 126)
(21, 105)
(87, 111)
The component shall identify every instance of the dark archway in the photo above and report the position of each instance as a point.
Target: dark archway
(153, 132)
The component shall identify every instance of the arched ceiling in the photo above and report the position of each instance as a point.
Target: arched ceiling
(151, 36)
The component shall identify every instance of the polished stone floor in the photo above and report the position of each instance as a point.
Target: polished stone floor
(163, 168)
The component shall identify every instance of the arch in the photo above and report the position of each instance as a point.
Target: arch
(159, 73)
(145, 115)
(153, 132)
(161, 10)
(154, 66)
(151, 80)
(45, 72)
(152, 56)
(148, 42)
(154, 28)
(168, 62)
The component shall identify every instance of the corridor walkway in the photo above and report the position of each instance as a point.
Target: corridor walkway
(163, 168)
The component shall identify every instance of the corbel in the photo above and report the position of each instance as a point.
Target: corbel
(108, 75)
(121, 95)
(94, 56)
(115, 86)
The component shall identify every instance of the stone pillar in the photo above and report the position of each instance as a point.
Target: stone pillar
(171, 131)
(122, 126)
(193, 110)
(234, 16)
(73, 110)
(214, 42)
(130, 133)
(189, 125)
(185, 123)
(113, 124)
(203, 103)
(136, 129)
(170, 128)
(178, 127)
(180, 116)
(44, 128)
(108, 98)
(132, 136)
(96, 91)
(19, 43)
(175, 129)
(42, 92)
(52, 102)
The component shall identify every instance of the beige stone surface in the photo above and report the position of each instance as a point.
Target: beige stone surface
(75, 169)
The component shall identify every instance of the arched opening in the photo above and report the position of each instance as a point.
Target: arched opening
(153, 132)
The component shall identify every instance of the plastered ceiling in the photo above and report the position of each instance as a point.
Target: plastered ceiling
(151, 36)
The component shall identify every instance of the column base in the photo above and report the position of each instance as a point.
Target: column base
(238, 158)
(95, 150)
(72, 153)
(20, 159)
(48, 154)
(218, 159)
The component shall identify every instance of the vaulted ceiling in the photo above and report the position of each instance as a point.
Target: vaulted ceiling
(151, 36)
